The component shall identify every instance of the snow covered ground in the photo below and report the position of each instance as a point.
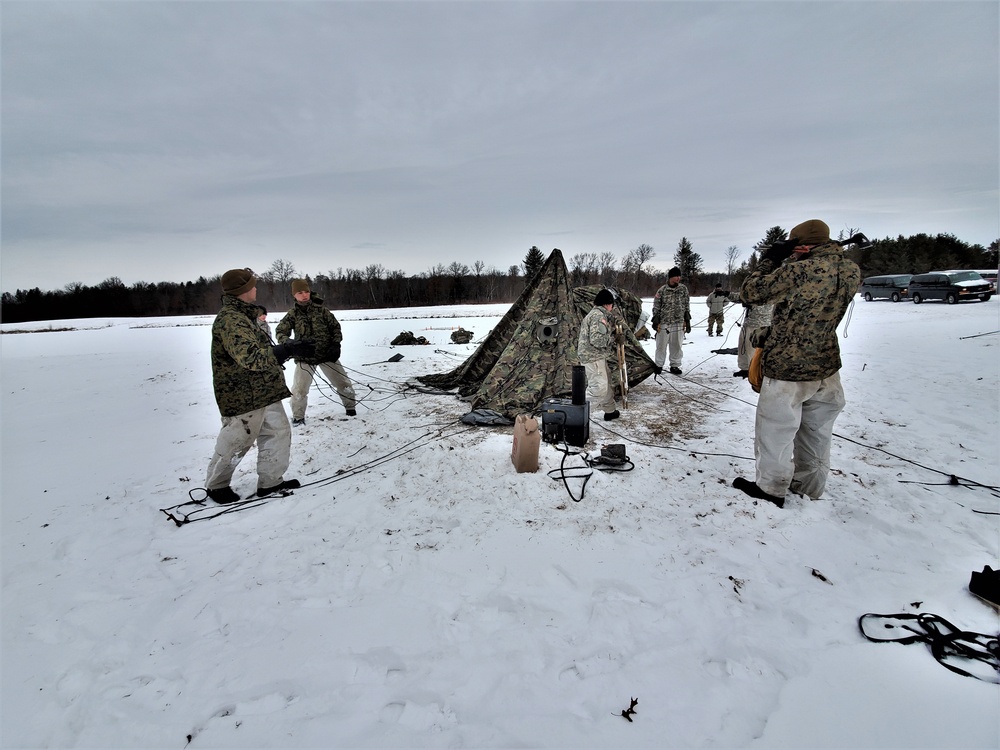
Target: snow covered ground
(427, 596)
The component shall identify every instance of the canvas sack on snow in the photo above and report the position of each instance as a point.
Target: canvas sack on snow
(524, 452)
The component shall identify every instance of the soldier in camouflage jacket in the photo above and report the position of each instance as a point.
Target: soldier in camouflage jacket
(717, 302)
(801, 394)
(596, 344)
(671, 319)
(309, 319)
(249, 386)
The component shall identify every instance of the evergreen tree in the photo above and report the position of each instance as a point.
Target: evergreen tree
(687, 260)
(533, 261)
(774, 234)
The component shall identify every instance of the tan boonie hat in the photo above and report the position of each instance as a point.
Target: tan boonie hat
(812, 232)
(300, 285)
(237, 281)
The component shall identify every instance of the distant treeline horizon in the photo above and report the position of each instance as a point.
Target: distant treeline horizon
(376, 287)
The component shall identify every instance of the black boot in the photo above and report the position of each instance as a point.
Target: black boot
(288, 484)
(751, 488)
(223, 495)
(986, 585)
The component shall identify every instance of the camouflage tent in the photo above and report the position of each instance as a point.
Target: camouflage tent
(628, 305)
(529, 355)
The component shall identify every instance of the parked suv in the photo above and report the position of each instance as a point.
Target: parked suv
(951, 286)
(893, 286)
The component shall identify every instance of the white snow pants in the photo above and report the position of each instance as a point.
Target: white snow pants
(794, 427)
(269, 428)
(599, 389)
(669, 336)
(335, 375)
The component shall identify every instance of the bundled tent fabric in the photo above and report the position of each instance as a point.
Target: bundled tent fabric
(529, 355)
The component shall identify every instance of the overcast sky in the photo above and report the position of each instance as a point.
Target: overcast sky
(163, 141)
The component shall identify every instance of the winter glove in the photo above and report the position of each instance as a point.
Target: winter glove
(655, 322)
(619, 336)
(304, 349)
(282, 352)
(777, 252)
(687, 325)
(334, 352)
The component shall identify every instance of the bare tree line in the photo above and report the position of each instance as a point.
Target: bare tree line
(375, 286)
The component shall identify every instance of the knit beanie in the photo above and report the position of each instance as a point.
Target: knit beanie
(812, 232)
(300, 285)
(604, 297)
(675, 271)
(237, 281)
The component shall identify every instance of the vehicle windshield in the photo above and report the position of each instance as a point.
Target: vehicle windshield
(966, 276)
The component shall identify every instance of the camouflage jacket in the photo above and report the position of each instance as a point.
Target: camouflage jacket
(596, 340)
(245, 373)
(810, 297)
(756, 316)
(671, 305)
(312, 321)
